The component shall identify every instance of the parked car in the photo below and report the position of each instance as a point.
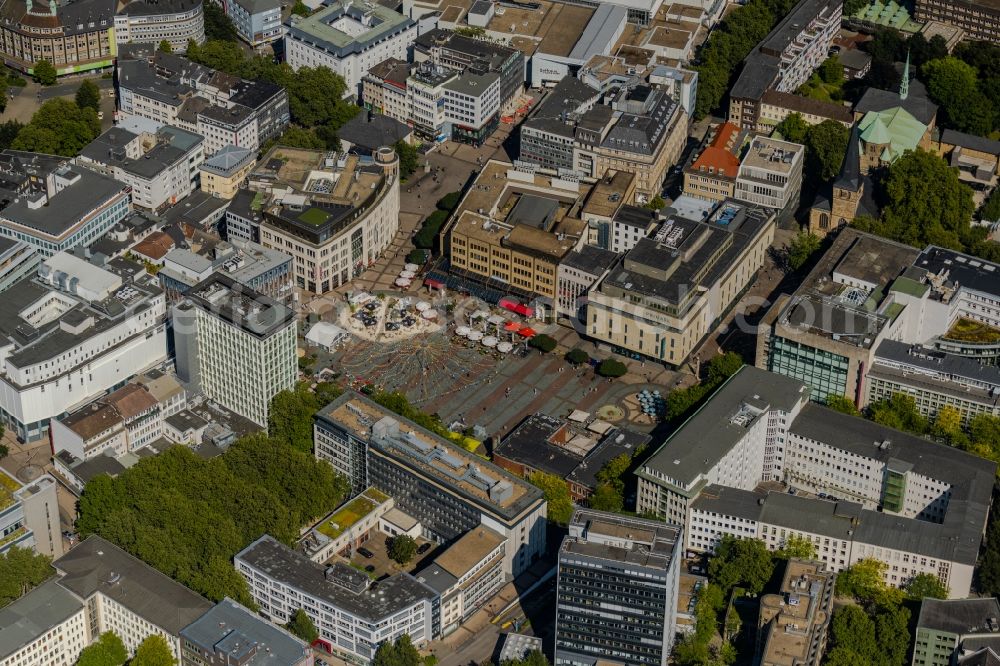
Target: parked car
(364, 552)
(424, 547)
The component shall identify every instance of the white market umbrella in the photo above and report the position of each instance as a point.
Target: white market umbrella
(413, 268)
(475, 336)
(504, 347)
(462, 331)
(403, 282)
(496, 320)
(407, 274)
(490, 341)
(422, 306)
(429, 314)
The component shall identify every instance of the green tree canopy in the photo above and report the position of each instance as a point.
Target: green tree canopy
(954, 85)
(290, 417)
(606, 498)
(899, 412)
(722, 367)
(400, 653)
(842, 404)
(925, 585)
(8, 132)
(301, 9)
(409, 159)
(402, 548)
(803, 246)
(656, 203)
(610, 367)
(44, 72)
(831, 71)
(797, 547)
(793, 128)
(301, 625)
(59, 127)
(21, 569)
(577, 356)
(533, 658)
(826, 145)
(217, 24)
(153, 651)
(556, 492)
(108, 650)
(300, 137)
(744, 562)
(543, 342)
(863, 580)
(88, 95)
(926, 204)
(188, 516)
(165, 47)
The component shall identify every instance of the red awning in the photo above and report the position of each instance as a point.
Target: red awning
(433, 284)
(512, 327)
(514, 306)
(527, 332)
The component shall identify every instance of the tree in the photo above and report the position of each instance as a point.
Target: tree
(59, 127)
(409, 159)
(400, 653)
(533, 658)
(290, 417)
(948, 426)
(606, 498)
(864, 580)
(556, 492)
(4, 451)
(826, 145)
(990, 210)
(301, 9)
(449, 202)
(797, 547)
(926, 204)
(542, 342)
(803, 246)
(108, 650)
(577, 356)
(722, 367)
(954, 85)
(430, 228)
(402, 548)
(301, 625)
(165, 47)
(8, 132)
(300, 137)
(925, 585)
(610, 367)
(21, 569)
(744, 562)
(88, 95)
(842, 404)
(656, 203)
(187, 516)
(44, 72)
(793, 128)
(831, 71)
(899, 412)
(153, 651)
(217, 24)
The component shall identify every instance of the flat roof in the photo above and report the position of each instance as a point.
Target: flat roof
(373, 603)
(424, 453)
(97, 565)
(708, 435)
(619, 538)
(964, 270)
(241, 306)
(231, 629)
(87, 193)
(469, 550)
(339, 28)
(26, 619)
(958, 616)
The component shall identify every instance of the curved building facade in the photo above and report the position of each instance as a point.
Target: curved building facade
(74, 36)
(152, 21)
(342, 217)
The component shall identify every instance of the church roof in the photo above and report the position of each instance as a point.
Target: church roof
(895, 128)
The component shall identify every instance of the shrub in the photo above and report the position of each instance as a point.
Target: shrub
(611, 368)
(416, 256)
(449, 201)
(545, 343)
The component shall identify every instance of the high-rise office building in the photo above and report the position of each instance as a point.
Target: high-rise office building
(236, 345)
(617, 591)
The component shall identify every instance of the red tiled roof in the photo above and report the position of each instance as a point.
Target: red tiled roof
(154, 246)
(719, 156)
